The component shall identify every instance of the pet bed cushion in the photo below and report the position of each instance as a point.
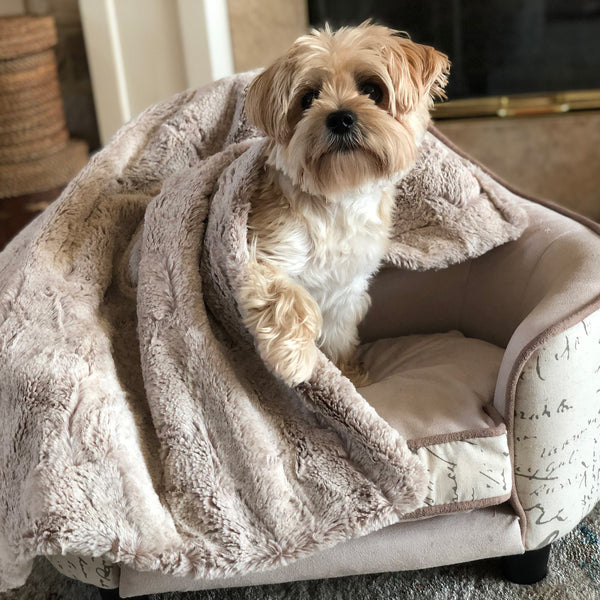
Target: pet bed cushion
(426, 387)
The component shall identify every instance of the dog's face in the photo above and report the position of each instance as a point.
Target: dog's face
(347, 107)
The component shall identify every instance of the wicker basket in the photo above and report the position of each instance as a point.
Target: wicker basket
(38, 93)
(21, 36)
(50, 171)
(30, 151)
(35, 151)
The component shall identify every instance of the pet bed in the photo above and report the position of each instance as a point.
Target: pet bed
(139, 424)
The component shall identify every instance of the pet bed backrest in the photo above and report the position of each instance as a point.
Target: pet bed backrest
(489, 297)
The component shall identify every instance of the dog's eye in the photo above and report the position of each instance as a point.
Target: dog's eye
(308, 98)
(368, 88)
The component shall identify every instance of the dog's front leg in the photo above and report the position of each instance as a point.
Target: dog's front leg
(284, 320)
(339, 335)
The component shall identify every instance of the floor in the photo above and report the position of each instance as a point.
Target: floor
(16, 212)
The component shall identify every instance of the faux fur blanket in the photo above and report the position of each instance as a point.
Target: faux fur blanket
(138, 422)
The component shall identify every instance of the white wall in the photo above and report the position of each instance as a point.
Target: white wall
(143, 51)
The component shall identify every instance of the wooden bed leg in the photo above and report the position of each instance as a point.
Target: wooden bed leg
(527, 568)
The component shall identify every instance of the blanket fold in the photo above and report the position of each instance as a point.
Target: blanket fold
(139, 423)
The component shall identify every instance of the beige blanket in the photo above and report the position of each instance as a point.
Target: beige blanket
(138, 423)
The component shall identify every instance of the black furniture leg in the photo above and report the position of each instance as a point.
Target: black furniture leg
(527, 568)
(109, 594)
(114, 595)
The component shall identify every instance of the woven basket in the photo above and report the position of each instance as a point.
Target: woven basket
(48, 172)
(38, 93)
(23, 80)
(26, 63)
(35, 151)
(19, 117)
(20, 36)
(42, 123)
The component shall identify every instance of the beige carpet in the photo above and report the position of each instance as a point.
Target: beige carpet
(575, 575)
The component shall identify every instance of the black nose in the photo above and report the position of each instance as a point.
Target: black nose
(341, 121)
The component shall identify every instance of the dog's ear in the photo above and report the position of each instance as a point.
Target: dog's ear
(436, 67)
(267, 100)
(419, 72)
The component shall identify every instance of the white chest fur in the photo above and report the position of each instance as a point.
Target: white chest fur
(331, 247)
(344, 242)
(325, 242)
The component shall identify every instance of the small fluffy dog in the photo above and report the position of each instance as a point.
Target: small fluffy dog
(345, 112)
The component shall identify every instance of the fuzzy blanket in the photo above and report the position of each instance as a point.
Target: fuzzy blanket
(138, 423)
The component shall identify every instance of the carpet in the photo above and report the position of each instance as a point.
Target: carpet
(574, 575)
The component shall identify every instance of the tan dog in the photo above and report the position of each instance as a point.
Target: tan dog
(345, 112)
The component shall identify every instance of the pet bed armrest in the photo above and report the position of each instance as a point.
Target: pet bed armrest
(94, 571)
(549, 383)
(555, 428)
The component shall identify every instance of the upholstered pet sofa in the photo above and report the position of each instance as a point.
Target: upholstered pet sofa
(499, 362)
(481, 414)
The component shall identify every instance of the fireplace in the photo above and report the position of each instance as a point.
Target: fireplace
(509, 57)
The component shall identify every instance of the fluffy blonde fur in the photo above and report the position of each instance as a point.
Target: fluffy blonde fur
(320, 222)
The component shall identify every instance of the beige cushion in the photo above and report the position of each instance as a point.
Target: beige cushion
(437, 391)
(427, 385)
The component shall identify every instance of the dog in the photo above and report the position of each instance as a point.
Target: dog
(344, 113)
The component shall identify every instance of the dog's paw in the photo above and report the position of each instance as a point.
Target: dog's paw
(293, 364)
(356, 373)
(285, 338)
(285, 322)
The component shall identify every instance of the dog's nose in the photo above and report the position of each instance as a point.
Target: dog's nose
(341, 121)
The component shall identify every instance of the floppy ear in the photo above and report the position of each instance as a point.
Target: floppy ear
(418, 71)
(436, 67)
(267, 100)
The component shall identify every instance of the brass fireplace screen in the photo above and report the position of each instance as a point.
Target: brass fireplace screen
(509, 57)
(521, 105)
